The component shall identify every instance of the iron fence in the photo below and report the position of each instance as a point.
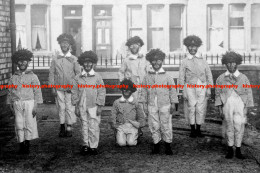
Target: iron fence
(44, 61)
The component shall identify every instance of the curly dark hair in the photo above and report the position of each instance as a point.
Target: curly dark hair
(128, 83)
(155, 54)
(67, 37)
(134, 40)
(88, 55)
(21, 55)
(192, 40)
(231, 56)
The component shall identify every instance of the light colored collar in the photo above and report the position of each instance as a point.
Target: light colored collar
(92, 72)
(134, 57)
(236, 74)
(130, 99)
(191, 56)
(67, 55)
(160, 71)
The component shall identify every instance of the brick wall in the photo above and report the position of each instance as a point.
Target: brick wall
(5, 49)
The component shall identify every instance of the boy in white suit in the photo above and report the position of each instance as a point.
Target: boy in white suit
(233, 103)
(89, 101)
(24, 100)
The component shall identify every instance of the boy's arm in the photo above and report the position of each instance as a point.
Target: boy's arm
(122, 70)
(172, 91)
(182, 72)
(51, 76)
(218, 101)
(74, 92)
(250, 99)
(209, 79)
(101, 92)
(37, 91)
(114, 113)
(140, 115)
(77, 68)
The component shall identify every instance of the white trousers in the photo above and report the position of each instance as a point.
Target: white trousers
(25, 124)
(196, 104)
(235, 120)
(160, 122)
(65, 108)
(126, 134)
(90, 126)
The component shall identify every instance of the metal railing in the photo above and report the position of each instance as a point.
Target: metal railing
(44, 61)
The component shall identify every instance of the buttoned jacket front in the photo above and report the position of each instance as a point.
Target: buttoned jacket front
(28, 87)
(221, 95)
(89, 96)
(194, 68)
(165, 96)
(63, 69)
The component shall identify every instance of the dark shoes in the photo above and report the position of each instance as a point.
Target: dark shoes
(198, 132)
(24, 147)
(239, 154)
(156, 148)
(88, 151)
(168, 150)
(195, 132)
(62, 133)
(230, 153)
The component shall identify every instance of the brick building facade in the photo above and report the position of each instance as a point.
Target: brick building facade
(5, 48)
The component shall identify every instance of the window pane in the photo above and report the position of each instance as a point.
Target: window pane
(156, 39)
(216, 39)
(175, 39)
(255, 38)
(237, 39)
(99, 36)
(155, 16)
(237, 14)
(20, 20)
(107, 36)
(39, 33)
(216, 16)
(135, 17)
(255, 28)
(176, 15)
(215, 30)
(255, 15)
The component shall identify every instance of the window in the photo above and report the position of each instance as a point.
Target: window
(134, 21)
(20, 20)
(39, 29)
(255, 27)
(236, 27)
(215, 27)
(155, 27)
(176, 27)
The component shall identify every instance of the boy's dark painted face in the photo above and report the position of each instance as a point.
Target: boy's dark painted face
(22, 65)
(192, 50)
(65, 46)
(126, 93)
(134, 48)
(88, 65)
(232, 67)
(156, 64)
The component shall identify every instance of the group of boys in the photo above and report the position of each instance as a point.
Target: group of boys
(129, 113)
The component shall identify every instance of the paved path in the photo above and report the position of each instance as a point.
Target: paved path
(52, 154)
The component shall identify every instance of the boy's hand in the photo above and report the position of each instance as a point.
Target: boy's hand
(34, 111)
(54, 92)
(12, 109)
(184, 94)
(99, 110)
(172, 108)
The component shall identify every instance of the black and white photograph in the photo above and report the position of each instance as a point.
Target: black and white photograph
(130, 86)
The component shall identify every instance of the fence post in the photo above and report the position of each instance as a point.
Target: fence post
(33, 61)
(244, 58)
(217, 58)
(249, 58)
